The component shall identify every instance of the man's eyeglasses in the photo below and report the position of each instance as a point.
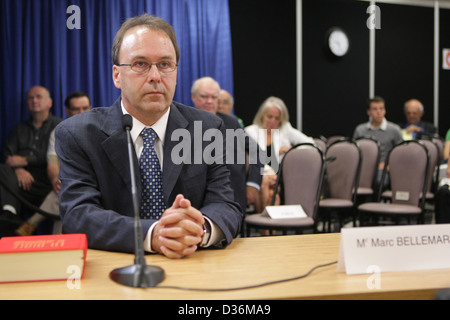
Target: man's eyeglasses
(143, 66)
(207, 97)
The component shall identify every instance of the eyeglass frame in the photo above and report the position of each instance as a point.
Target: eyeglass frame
(205, 97)
(151, 64)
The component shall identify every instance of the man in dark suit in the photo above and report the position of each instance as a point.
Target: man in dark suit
(95, 196)
(414, 125)
(246, 185)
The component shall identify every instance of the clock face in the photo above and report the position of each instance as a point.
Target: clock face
(338, 43)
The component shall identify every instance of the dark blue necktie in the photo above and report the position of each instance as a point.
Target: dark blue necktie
(152, 204)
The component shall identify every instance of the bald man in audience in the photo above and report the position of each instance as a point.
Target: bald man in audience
(24, 170)
(415, 127)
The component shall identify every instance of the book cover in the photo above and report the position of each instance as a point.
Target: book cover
(42, 257)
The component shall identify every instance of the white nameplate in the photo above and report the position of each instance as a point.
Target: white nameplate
(399, 248)
(402, 195)
(284, 212)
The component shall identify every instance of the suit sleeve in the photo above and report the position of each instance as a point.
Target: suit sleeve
(219, 204)
(82, 202)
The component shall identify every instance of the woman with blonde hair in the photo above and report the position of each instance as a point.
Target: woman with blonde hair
(275, 135)
(272, 130)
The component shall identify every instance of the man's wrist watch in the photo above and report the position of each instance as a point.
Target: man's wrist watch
(206, 234)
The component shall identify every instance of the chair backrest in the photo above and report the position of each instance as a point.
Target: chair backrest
(434, 154)
(370, 149)
(408, 171)
(301, 175)
(440, 143)
(333, 139)
(322, 144)
(343, 168)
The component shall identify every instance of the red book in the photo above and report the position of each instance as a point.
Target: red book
(41, 258)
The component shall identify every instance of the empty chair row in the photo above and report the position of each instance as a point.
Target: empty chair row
(330, 185)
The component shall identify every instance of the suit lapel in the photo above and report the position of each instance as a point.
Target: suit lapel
(172, 171)
(116, 145)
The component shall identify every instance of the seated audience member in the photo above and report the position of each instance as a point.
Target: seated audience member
(191, 205)
(77, 102)
(388, 134)
(442, 195)
(25, 155)
(415, 127)
(205, 95)
(445, 157)
(226, 105)
(275, 135)
(446, 152)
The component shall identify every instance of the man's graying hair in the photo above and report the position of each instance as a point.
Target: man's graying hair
(151, 22)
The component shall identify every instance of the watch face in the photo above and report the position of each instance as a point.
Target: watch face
(338, 43)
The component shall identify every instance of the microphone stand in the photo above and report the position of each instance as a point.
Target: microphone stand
(138, 275)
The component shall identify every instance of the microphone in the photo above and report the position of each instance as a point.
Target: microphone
(138, 275)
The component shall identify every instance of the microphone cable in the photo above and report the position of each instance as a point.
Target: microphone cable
(251, 286)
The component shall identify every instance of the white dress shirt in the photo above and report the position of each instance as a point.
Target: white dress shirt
(160, 129)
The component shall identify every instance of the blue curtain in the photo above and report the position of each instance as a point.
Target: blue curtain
(38, 48)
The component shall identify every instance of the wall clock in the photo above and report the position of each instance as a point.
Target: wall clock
(338, 42)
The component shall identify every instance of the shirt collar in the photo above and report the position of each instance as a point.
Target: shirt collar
(159, 126)
(30, 120)
(383, 125)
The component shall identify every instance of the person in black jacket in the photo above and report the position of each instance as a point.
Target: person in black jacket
(24, 171)
(205, 96)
